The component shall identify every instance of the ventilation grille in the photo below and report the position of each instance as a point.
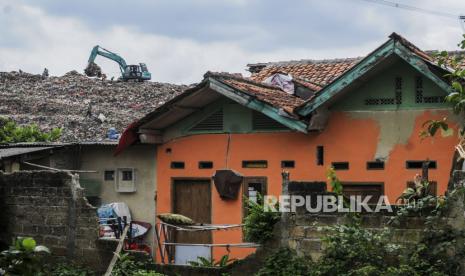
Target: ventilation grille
(212, 122)
(263, 122)
(420, 98)
(382, 101)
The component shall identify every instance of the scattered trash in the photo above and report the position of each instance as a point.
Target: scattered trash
(93, 70)
(113, 134)
(74, 102)
(102, 118)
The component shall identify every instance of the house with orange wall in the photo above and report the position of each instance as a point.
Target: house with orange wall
(362, 116)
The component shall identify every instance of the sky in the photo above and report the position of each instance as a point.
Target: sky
(180, 40)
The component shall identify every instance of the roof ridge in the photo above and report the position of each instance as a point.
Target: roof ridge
(306, 61)
(247, 80)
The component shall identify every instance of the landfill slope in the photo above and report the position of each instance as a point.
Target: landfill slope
(85, 108)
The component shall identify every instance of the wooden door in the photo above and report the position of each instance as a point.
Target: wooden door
(192, 198)
(375, 190)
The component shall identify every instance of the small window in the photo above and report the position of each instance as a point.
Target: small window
(288, 164)
(205, 165)
(375, 165)
(177, 165)
(320, 151)
(127, 175)
(126, 180)
(255, 164)
(419, 164)
(340, 165)
(109, 175)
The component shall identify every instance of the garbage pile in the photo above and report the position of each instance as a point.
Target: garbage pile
(86, 108)
(93, 70)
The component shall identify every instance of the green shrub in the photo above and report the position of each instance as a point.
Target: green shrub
(204, 262)
(10, 132)
(258, 224)
(127, 265)
(24, 257)
(353, 250)
(67, 269)
(285, 262)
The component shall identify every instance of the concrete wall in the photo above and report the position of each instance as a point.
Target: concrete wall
(51, 208)
(140, 157)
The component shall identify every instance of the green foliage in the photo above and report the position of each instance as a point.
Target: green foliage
(66, 269)
(285, 262)
(431, 127)
(204, 262)
(24, 257)
(258, 224)
(10, 132)
(437, 253)
(127, 265)
(456, 97)
(334, 182)
(353, 250)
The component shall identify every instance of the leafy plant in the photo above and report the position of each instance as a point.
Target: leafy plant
(285, 262)
(334, 182)
(204, 262)
(10, 132)
(258, 224)
(127, 265)
(431, 127)
(419, 190)
(66, 269)
(351, 249)
(24, 257)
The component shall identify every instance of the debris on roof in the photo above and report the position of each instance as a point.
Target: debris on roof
(86, 108)
(283, 81)
(269, 94)
(316, 72)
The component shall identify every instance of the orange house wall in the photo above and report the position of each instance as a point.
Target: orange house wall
(344, 139)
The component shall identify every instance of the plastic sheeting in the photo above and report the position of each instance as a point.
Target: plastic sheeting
(121, 209)
(282, 81)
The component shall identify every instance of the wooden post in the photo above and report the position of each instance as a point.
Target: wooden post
(424, 171)
(116, 253)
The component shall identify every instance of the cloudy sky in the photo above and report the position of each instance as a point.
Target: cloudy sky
(180, 40)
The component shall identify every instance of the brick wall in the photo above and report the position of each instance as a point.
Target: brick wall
(51, 208)
(303, 231)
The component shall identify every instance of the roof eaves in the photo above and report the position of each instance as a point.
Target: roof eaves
(166, 106)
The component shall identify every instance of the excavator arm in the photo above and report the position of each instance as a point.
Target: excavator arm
(128, 72)
(100, 51)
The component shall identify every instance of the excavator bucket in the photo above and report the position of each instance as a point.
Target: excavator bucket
(93, 70)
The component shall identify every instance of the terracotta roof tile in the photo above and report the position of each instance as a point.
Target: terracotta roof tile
(266, 93)
(316, 72)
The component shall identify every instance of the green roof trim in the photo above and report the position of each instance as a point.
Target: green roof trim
(253, 103)
(391, 47)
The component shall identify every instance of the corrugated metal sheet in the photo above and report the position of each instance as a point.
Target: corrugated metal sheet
(9, 152)
(53, 144)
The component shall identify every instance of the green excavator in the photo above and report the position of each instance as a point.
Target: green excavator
(128, 72)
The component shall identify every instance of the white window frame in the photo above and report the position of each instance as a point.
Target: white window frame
(129, 185)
